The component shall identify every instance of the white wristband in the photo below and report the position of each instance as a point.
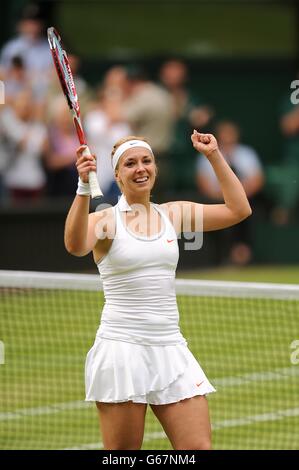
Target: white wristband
(83, 188)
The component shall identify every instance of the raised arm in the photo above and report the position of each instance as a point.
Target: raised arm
(236, 206)
(212, 216)
(79, 235)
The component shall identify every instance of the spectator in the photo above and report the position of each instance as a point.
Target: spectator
(246, 164)
(147, 109)
(115, 82)
(189, 112)
(33, 49)
(102, 131)
(16, 80)
(174, 77)
(284, 177)
(54, 88)
(61, 156)
(24, 140)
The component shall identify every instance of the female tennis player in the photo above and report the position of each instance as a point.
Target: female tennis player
(139, 356)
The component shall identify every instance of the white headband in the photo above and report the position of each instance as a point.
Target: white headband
(128, 145)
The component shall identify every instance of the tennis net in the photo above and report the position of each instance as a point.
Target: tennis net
(244, 335)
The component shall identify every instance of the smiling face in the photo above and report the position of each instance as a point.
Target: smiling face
(136, 171)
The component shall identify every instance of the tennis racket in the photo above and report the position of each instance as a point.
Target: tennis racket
(68, 87)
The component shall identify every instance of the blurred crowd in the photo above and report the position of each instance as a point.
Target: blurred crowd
(38, 141)
(37, 137)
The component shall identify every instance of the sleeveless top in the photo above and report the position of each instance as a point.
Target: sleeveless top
(138, 275)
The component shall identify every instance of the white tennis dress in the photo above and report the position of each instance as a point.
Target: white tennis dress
(139, 353)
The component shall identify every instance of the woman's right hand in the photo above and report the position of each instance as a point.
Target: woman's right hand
(85, 163)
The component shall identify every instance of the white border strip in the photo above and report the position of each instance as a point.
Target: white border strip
(91, 282)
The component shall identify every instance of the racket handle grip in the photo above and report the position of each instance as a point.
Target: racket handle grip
(94, 185)
(93, 180)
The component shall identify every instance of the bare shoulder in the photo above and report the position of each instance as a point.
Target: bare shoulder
(186, 216)
(173, 210)
(102, 222)
(180, 206)
(107, 212)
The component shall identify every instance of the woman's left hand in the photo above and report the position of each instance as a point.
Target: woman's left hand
(204, 143)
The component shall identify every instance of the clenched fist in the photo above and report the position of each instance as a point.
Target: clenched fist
(204, 143)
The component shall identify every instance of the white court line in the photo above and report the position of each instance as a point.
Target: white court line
(276, 374)
(44, 410)
(272, 416)
(227, 423)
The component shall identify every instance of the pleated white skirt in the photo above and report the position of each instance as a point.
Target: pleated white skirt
(118, 371)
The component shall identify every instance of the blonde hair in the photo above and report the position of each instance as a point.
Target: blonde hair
(122, 141)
